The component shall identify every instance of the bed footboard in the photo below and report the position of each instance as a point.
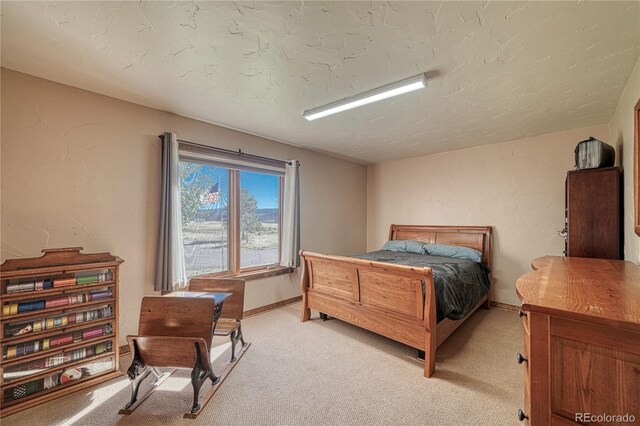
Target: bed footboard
(395, 301)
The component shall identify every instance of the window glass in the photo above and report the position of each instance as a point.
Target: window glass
(205, 217)
(259, 219)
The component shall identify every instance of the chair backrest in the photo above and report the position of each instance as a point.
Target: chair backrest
(170, 351)
(232, 307)
(177, 317)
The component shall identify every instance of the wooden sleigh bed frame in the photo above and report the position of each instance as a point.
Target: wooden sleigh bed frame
(387, 298)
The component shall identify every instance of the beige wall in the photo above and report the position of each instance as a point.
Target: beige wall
(621, 136)
(81, 169)
(517, 187)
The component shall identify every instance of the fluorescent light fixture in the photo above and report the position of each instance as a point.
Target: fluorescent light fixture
(388, 91)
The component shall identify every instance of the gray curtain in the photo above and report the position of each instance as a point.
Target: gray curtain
(170, 268)
(290, 246)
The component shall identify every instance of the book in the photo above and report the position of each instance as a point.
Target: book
(9, 309)
(23, 390)
(79, 354)
(58, 301)
(12, 330)
(79, 298)
(26, 348)
(31, 306)
(57, 322)
(45, 284)
(55, 360)
(87, 279)
(103, 294)
(20, 307)
(26, 369)
(21, 287)
(64, 282)
(104, 276)
(26, 389)
(92, 332)
(61, 340)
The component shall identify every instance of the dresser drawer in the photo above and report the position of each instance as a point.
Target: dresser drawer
(525, 321)
(526, 350)
(526, 376)
(523, 358)
(526, 407)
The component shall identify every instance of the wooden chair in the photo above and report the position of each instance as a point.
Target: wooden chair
(229, 323)
(173, 332)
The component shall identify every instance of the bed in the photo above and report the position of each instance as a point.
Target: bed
(395, 300)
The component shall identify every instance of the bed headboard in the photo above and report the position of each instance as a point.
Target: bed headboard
(475, 237)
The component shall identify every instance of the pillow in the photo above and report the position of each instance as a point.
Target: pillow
(453, 251)
(395, 245)
(406, 246)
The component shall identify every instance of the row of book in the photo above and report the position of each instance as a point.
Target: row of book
(69, 375)
(39, 365)
(94, 277)
(13, 308)
(20, 287)
(41, 324)
(33, 346)
(81, 278)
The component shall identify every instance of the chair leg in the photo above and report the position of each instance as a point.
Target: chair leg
(198, 376)
(135, 386)
(196, 380)
(137, 372)
(240, 336)
(234, 340)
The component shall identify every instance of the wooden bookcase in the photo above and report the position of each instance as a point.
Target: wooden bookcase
(58, 325)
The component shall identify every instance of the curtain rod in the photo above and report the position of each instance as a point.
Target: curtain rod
(238, 153)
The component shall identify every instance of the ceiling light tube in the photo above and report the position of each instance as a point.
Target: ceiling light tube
(390, 90)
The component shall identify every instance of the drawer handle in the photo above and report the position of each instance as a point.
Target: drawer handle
(521, 415)
(522, 313)
(521, 359)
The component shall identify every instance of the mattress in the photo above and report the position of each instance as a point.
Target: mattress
(459, 283)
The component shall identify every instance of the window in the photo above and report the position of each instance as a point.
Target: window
(204, 191)
(231, 219)
(259, 219)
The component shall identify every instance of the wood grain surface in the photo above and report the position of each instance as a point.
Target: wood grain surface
(594, 219)
(602, 290)
(581, 323)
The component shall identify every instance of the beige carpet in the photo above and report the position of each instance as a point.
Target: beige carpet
(326, 373)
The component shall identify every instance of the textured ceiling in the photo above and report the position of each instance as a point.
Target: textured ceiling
(498, 70)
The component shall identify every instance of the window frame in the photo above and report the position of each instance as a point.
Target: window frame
(233, 230)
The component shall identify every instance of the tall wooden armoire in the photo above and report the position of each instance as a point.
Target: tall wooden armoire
(593, 213)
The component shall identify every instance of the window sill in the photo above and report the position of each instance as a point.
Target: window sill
(264, 273)
(251, 275)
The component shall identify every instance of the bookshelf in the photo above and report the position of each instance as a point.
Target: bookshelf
(58, 325)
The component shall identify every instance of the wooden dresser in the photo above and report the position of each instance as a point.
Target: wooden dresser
(581, 353)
